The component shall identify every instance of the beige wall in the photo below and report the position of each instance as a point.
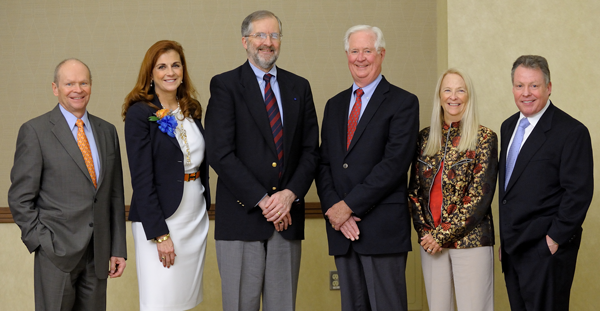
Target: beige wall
(485, 38)
(112, 36)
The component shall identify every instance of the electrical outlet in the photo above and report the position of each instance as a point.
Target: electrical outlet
(334, 280)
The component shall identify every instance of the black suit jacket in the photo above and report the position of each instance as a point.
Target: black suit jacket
(242, 152)
(157, 170)
(371, 176)
(551, 186)
(52, 197)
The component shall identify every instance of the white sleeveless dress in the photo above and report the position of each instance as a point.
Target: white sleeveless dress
(179, 287)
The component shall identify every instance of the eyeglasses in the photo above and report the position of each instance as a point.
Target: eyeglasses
(263, 36)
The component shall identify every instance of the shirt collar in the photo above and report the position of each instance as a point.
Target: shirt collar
(453, 125)
(533, 120)
(71, 118)
(260, 74)
(368, 89)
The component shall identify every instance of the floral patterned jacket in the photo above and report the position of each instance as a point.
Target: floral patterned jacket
(468, 186)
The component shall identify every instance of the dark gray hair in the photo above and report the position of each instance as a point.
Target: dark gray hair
(532, 62)
(57, 69)
(255, 16)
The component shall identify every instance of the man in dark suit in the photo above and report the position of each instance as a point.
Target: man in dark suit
(367, 143)
(546, 186)
(67, 197)
(262, 140)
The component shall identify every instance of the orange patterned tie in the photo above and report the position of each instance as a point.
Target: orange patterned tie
(84, 146)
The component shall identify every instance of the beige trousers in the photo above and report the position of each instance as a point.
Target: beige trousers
(468, 272)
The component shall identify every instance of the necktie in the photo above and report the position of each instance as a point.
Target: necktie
(84, 146)
(513, 152)
(354, 115)
(274, 118)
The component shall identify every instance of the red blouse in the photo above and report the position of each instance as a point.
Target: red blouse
(436, 197)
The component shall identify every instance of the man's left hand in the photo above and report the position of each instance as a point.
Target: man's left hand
(278, 206)
(338, 214)
(117, 266)
(553, 246)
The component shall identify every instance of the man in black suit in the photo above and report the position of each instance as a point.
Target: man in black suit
(262, 140)
(367, 143)
(67, 197)
(546, 186)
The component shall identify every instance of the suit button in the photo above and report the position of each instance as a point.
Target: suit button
(504, 202)
(274, 164)
(91, 224)
(95, 200)
(345, 165)
(274, 188)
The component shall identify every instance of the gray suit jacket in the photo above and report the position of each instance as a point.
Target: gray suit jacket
(52, 197)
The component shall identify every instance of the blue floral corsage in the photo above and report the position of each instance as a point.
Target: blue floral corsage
(166, 121)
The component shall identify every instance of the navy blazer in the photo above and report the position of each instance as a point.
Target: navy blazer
(242, 152)
(371, 176)
(157, 170)
(551, 187)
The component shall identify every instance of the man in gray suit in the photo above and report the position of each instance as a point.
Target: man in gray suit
(67, 197)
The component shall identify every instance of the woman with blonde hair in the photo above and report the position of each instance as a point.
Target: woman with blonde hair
(169, 176)
(453, 180)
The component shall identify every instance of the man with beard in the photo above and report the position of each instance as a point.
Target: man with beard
(262, 140)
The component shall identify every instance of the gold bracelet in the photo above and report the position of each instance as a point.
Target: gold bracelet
(160, 240)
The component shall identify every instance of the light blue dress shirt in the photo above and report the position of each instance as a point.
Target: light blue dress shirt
(368, 93)
(71, 119)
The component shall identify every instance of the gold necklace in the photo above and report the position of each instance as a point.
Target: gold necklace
(183, 135)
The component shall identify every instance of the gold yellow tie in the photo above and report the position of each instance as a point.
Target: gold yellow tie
(84, 146)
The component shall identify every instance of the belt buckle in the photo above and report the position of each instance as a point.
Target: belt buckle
(192, 176)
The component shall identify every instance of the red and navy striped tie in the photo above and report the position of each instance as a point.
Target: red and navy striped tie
(274, 119)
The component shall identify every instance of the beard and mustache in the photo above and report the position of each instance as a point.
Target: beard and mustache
(263, 63)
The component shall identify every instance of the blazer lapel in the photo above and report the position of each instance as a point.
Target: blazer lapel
(374, 103)
(533, 143)
(290, 112)
(506, 135)
(342, 113)
(63, 134)
(100, 138)
(199, 125)
(256, 105)
(157, 103)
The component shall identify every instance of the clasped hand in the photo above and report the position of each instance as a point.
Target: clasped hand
(430, 245)
(341, 219)
(276, 208)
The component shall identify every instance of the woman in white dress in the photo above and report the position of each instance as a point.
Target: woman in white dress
(169, 177)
